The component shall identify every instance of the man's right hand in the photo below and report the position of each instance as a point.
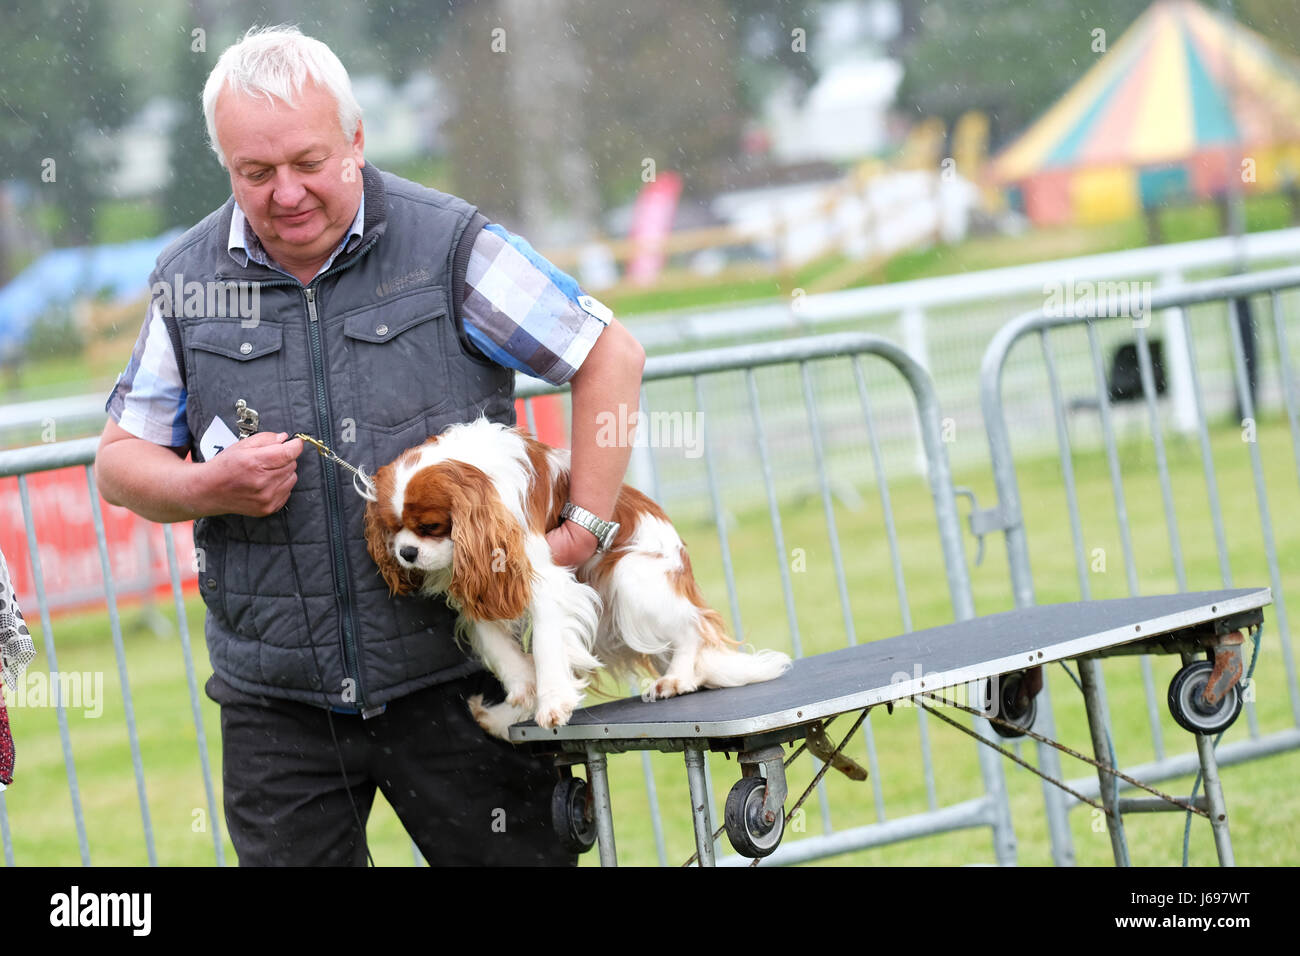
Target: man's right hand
(251, 477)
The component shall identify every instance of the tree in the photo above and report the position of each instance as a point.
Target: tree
(662, 86)
(769, 45)
(58, 87)
(1009, 58)
(198, 183)
(586, 97)
(406, 35)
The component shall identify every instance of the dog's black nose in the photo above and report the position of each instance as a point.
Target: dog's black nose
(408, 553)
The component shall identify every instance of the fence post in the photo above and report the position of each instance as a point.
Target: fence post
(1175, 352)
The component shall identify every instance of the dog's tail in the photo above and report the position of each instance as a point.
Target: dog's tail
(724, 667)
(721, 663)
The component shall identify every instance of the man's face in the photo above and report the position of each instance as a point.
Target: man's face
(293, 172)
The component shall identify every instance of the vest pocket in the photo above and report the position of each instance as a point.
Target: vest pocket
(230, 361)
(397, 361)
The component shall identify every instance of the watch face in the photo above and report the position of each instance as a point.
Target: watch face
(611, 530)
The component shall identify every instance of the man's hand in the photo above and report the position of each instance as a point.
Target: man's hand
(571, 544)
(253, 476)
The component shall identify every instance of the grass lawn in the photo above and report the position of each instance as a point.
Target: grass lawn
(1265, 816)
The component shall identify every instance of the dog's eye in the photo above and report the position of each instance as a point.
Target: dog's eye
(435, 530)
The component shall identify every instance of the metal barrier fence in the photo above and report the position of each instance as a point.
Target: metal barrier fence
(814, 369)
(828, 552)
(1201, 322)
(81, 453)
(946, 322)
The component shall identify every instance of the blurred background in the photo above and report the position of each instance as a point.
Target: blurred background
(669, 154)
(723, 172)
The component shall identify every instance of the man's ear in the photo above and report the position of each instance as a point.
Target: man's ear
(359, 145)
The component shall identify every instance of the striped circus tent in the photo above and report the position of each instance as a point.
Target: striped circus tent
(1183, 100)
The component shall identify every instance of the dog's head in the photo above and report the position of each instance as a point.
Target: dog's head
(437, 525)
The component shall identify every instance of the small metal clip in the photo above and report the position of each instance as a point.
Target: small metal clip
(246, 418)
(359, 477)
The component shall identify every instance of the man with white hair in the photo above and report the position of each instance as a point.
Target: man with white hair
(372, 312)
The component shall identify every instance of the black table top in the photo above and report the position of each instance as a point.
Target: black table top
(900, 667)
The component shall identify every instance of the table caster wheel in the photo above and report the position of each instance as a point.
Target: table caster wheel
(750, 834)
(1190, 709)
(1019, 712)
(571, 815)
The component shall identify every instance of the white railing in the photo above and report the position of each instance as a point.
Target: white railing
(944, 322)
(679, 327)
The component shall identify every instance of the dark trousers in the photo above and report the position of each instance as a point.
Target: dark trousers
(466, 798)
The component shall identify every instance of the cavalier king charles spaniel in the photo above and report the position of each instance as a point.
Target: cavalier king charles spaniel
(465, 516)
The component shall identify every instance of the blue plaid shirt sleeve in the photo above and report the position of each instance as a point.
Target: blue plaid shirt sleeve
(148, 399)
(522, 312)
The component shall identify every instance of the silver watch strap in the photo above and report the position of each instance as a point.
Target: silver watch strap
(602, 529)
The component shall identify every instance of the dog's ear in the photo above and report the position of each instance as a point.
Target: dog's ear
(379, 538)
(491, 575)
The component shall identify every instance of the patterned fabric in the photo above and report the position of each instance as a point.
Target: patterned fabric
(16, 652)
(520, 311)
(6, 750)
(149, 398)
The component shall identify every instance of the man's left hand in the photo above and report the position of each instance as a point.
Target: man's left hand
(571, 545)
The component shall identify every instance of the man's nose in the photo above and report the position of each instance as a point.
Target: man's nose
(288, 190)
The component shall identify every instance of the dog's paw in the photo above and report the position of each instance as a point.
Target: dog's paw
(669, 687)
(554, 710)
(495, 719)
(522, 695)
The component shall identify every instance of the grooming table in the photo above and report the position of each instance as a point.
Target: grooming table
(755, 721)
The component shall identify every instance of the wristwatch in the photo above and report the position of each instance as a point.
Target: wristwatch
(603, 530)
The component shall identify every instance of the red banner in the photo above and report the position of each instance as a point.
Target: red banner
(71, 569)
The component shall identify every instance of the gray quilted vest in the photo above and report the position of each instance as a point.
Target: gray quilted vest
(371, 359)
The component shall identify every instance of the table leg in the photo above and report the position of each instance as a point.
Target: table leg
(1090, 677)
(598, 778)
(700, 806)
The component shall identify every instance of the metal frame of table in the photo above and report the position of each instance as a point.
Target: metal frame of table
(754, 720)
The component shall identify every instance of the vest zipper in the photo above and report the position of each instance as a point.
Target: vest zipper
(351, 661)
(342, 586)
(342, 589)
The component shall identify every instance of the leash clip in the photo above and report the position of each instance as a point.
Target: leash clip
(368, 492)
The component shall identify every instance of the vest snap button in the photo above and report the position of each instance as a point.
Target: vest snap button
(246, 347)
(211, 582)
(381, 330)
